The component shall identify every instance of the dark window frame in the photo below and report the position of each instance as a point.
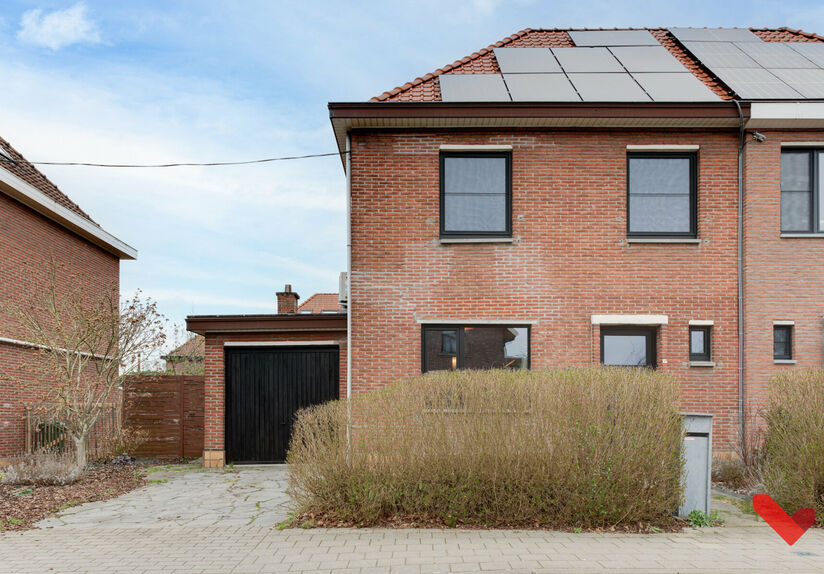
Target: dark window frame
(652, 341)
(789, 355)
(444, 233)
(815, 207)
(460, 347)
(707, 354)
(693, 158)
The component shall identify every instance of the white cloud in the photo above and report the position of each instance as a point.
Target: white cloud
(58, 29)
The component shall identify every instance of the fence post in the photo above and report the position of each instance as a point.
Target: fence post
(28, 429)
(182, 415)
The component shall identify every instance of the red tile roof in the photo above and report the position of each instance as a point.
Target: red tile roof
(28, 173)
(427, 88)
(320, 302)
(194, 347)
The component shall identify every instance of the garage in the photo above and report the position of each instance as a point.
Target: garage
(265, 387)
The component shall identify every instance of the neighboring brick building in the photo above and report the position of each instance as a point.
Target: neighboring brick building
(186, 359)
(40, 225)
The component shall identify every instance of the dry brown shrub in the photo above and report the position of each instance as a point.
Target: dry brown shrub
(794, 466)
(589, 447)
(43, 469)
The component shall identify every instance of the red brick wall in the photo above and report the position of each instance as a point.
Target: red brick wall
(571, 258)
(28, 244)
(215, 383)
(784, 277)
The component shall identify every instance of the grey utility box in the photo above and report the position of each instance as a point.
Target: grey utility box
(698, 463)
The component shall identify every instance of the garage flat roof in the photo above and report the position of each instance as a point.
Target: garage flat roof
(203, 324)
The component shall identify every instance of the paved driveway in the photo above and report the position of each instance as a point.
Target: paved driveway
(225, 522)
(190, 496)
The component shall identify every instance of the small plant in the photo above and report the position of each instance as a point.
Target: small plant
(67, 505)
(15, 521)
(24, 492)
(700, 519)
(159, 480)
(43, 469)
(577, 530)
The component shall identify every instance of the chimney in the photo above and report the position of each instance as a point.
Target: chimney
(287, 301)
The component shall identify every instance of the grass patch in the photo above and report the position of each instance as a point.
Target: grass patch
(700, 519)
(158, 480)
(584, 447)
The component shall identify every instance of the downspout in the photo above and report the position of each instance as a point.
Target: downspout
(741, 138)
(348, 268)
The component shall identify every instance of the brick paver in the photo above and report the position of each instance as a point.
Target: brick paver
(192, 542)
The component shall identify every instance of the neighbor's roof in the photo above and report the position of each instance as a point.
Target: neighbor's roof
(30, 174)
(22, 181)
(321, 303)
(427, 88)
(191, 349)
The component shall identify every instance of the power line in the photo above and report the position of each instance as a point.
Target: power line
(178, 164)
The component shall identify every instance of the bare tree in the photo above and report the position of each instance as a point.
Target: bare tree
(86, 345)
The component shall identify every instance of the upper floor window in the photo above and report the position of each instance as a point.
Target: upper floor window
(476, 194)
(801, 192)
(661, 194)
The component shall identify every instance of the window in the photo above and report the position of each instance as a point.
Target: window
(451, 347)
(700, 344)
(628, 346)
(661, 195)
(782, 342)
(802, 192)
(476, 194)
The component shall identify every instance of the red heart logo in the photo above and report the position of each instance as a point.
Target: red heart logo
(790, 528)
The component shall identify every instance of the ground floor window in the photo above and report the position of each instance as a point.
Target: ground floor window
(700, 344)
(628, 346)
(782, 342)
(450, 347)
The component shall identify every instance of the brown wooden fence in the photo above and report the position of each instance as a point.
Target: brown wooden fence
(169, 409)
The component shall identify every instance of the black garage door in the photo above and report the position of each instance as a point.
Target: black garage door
(265, 387)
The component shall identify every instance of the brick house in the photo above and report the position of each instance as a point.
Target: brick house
(576, 197)
(186, 359)
(39, 225)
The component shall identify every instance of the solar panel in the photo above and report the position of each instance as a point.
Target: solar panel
(526, 60)
(647, 59)
(613, 38)
(473, 88)
(809, 83)
(540, 88)
(608, 88)
(575, 60)
(755, 84)
(774, 55)
(720, 55)
(675, 87)
(813, 51)
(714, 35)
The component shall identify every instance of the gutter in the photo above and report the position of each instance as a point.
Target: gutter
(32, 197)
(47, 348)
(741, 138)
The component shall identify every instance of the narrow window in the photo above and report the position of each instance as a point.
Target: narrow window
(475, 347)
(782, 342)
(476, 194)
(797, 200)
(628, 346)
(700, 344)
(661, 195)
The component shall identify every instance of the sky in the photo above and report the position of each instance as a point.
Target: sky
(165, 81)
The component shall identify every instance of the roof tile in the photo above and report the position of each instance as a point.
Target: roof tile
(427, 88)
(31, 175)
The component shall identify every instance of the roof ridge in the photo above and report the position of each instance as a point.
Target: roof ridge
(449, 67)
(794, 31)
